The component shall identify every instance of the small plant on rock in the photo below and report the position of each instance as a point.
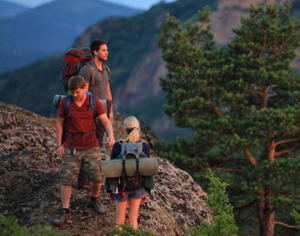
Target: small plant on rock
(218, 201)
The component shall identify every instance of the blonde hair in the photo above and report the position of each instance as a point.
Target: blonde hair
(132, 127)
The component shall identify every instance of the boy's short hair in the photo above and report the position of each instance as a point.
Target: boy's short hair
(76, 82)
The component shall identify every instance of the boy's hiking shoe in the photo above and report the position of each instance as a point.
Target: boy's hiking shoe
(62, 218)
(100, 209)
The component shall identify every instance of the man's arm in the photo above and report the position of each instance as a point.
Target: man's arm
(108, 128)
(109, 97)
(59, 134)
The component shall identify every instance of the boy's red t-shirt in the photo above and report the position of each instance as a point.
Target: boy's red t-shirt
(81, 120)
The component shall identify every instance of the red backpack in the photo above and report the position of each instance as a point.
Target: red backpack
(75, 58)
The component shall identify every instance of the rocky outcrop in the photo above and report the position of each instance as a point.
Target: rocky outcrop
(30, 188)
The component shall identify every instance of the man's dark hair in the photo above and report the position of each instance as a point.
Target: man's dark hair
(95, 45)
(76, 82)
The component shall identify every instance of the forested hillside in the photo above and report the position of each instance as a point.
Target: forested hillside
(134, 59)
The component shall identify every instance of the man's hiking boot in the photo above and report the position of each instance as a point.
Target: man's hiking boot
(100, 209)
(62, 218)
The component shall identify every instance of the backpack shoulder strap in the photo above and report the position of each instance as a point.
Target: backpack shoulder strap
(123, 145)
(93, 72)
(66, 106)
(108, 72)
(123, 149)
(66, 114)
(93, 105)
(140, 148)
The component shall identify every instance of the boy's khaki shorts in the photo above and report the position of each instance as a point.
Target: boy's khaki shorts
(70, 166)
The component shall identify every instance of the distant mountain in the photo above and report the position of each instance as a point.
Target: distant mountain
(9, 9)
(134, 59)
(50, 28)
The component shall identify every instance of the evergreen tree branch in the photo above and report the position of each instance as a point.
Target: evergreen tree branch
(254, 93)
(286, 141)
(285, 43)
(265, 97)
(285, 151)
(286, 225)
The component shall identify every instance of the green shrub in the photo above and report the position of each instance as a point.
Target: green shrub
(128, 231)
(218, 201)
(296, 216)
(9, 227)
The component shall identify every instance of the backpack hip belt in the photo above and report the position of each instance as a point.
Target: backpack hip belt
(78, 133)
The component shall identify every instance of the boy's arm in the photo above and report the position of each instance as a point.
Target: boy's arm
(108, 128)
(59, 134)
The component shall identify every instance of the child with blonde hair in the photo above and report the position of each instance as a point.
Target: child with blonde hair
(133, 197)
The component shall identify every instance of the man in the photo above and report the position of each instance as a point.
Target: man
(98, 79)
(80, 144)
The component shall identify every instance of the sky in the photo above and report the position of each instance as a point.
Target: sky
(140, 4)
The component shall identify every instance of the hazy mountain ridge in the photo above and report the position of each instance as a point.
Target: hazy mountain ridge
(51, 28)
(10, 9)
(134, 59)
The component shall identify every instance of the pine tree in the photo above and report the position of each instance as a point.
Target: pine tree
(242, 102)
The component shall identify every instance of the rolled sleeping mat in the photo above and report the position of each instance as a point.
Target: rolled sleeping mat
(147, 167)
(57, 98)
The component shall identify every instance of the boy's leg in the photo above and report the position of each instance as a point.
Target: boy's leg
(95, 200)
(95, 189)
(93, 166)
(68, 174)
(66, 191)
(83, 178)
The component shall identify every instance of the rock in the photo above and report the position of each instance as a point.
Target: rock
(26, 209)
(30, 187)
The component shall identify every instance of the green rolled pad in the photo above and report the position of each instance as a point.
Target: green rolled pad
(147, 167)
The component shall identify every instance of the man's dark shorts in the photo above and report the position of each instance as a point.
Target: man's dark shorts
(70, 166)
